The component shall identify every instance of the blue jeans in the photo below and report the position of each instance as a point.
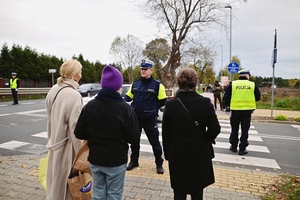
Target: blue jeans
(108, 182)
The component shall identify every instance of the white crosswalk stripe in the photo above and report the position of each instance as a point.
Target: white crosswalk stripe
(296, 127)
(229, 157)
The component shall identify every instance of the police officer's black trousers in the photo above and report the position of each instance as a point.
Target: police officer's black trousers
(237, 118)
(151, 129)
(15, 95)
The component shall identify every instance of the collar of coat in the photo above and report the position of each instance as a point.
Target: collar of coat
(109, 95)
(146, 80)
(186, 93)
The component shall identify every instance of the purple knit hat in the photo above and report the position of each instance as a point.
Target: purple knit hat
(111, 78)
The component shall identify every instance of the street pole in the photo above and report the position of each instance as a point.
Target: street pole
(274, 60)
(52, 79)
(221, 63)
(230, 40)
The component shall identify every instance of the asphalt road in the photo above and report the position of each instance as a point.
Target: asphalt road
(273, 147)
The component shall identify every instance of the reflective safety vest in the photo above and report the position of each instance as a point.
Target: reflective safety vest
(13, 83)
(242, 96)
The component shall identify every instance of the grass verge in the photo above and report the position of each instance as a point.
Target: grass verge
(284, 187)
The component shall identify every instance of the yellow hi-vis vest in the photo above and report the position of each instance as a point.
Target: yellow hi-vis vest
(13, 83)
(242, 96)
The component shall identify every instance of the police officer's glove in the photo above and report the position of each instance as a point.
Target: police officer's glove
(17, 89)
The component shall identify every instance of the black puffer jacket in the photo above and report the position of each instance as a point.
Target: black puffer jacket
(109, 124)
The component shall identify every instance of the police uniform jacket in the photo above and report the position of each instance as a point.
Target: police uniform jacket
(145, 98)
(189, 148)
(109, 124)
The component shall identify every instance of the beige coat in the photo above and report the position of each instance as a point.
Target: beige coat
(63, 145)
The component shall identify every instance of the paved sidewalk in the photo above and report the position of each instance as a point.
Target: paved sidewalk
(19, 180)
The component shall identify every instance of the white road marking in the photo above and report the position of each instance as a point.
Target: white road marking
(251, 137)
(33, 113)
(256, 148)
(5, 115)
(41, 135)
(12, 144)
(246, 160)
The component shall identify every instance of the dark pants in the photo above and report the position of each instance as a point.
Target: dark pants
(218, 96)
(237, 118)
(198, 195)
(151, 129)
(15, 95)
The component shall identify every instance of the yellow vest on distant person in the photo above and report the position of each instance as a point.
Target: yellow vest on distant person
(242, 96)
(13, 83)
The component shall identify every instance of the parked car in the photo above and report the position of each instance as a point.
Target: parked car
(125, 88)
(89, 89)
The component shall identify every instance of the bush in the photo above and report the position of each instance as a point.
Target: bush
(281, 118)
(297, 119)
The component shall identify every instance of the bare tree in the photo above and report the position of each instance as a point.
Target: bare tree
(127, 52)
(203, 59)
(158, 51)
(181, 17)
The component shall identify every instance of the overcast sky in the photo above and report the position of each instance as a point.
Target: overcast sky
(69, 27)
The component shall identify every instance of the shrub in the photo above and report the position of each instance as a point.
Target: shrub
(281, 118)
(265, 97)
(297, 119)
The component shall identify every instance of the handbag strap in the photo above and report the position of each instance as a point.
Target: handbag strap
(58, 92)
(195, 121)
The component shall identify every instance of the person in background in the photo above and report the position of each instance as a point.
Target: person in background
(218, 91)
(63, 107)
(223, 100)
(14, 86)
(147, 96)
(187, 146)
(241, 96)
(109, 124)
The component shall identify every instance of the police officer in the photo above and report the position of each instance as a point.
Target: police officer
(14, 85)
(147, 96)
(241, 95)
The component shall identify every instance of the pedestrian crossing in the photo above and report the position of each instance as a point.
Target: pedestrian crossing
(259, 154)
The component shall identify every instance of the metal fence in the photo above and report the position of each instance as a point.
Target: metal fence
(7, 91)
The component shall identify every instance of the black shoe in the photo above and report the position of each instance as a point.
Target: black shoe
(233, 149)
(14, 104)
(132, 165)
(160, 170)
(242, 152)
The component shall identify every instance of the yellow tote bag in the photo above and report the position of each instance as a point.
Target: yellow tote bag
(43, 171)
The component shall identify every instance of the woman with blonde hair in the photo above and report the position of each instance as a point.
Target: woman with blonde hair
(189, 128)
(63, 106)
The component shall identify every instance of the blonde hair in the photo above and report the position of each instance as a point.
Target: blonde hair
(69, 69)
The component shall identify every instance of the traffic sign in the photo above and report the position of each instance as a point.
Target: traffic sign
(233, 67)
(52, 71)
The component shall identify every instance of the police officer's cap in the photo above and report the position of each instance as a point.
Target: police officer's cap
(13, 73)
(244, 71)
(147, 63)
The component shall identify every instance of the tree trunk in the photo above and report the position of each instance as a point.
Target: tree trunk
(169, 76)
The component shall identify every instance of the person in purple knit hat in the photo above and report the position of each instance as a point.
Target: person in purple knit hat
(109, 124)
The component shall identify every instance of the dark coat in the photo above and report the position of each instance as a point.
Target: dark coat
(109, 124)
(187, 147)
